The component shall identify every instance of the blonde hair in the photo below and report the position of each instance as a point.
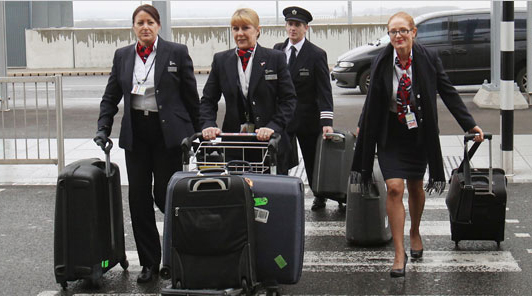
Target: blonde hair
(246, 16)
(404, 16)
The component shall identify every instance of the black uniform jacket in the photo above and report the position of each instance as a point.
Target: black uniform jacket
(311, 79)
(429, 79)
(175, 92)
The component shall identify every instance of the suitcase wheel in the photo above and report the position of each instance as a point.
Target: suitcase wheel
(124, 264)
(96, 283)
(456, 244)
(272, 292)
(498, 245)
(64, 285)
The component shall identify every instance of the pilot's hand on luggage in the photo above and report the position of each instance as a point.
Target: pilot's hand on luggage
(479, 137)
(327, 130)
(264, 133)
(101, 138)
(210, 133)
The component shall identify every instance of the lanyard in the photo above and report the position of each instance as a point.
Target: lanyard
(149, 70)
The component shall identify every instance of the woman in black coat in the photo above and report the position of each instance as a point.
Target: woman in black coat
(161, 107)
(400, 118)
(255, 82)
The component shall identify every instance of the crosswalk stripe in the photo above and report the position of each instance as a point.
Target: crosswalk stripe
(337, 228)
(430, 203)
(380, 261)
(433, 261)
(433, 228)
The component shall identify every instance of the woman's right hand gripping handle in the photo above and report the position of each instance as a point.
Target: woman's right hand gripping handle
(210, 133)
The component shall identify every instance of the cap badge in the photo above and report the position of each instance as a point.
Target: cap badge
(294, 12)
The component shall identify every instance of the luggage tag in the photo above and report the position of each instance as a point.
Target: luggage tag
(410, 117)
(138, 89)
(261, 215)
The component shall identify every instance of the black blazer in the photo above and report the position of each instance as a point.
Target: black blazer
(429, 79)
(271, 93)
(311, 79)
(175, 92)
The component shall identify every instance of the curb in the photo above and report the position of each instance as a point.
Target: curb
(73, 72)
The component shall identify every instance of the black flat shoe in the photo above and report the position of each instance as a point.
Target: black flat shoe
(395, 273)
(318, 203)
(416, 254)
(147, 274)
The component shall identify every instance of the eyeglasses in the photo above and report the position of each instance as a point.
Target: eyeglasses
(402, 32)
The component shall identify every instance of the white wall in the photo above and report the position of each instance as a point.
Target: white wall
(90, 48)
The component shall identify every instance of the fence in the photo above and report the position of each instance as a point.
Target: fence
(27, 119)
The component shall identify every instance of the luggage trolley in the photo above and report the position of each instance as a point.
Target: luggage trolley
(238, 152)
(234, 153)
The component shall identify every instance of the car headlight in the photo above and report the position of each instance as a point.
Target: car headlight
(345, 64)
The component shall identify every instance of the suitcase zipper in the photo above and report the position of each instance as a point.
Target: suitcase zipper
(176, 209)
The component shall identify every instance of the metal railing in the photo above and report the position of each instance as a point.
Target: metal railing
(28, 121)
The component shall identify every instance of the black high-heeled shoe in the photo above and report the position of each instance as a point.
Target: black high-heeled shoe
(395, 273)
(416, 254)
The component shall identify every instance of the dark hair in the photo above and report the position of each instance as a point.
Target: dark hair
(149, 10)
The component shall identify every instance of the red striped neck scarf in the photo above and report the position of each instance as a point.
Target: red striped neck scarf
(245, 55)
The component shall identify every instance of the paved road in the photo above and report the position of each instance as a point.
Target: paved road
(331, 265)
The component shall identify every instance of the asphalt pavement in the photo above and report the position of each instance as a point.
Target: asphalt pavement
(331, 266)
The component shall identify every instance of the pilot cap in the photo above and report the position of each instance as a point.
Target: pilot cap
(294, 13)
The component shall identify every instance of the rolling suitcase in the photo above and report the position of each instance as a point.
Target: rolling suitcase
(209, 237)
(89, 227)
(477, 199)
(332, 165)
(366, 221)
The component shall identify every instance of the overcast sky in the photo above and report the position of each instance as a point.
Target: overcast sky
(197, 9)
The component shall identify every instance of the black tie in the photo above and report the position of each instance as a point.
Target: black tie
(292, 59)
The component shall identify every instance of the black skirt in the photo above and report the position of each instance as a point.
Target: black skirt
(403, 156)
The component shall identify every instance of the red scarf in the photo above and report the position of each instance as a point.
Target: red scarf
(245, 55)
(144, 52)
(403, 91)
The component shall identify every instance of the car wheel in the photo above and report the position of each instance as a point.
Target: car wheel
(522, 80)
(363, 82)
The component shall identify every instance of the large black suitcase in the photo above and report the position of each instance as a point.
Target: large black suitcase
(477, 199)
(366, 221)
(332, 165)
(89, 227)
(212, 239)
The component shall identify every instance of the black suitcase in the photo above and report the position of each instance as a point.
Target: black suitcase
(89, 227)
(477, 199)
(212, 238)
(332, 165)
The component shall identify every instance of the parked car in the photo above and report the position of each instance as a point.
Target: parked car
(462, 40)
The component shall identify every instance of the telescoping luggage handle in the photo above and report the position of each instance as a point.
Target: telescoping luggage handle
(107, 150)
(466, 167)
(273, 145)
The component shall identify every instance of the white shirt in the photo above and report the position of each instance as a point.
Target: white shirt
(142, 71)
(397, 73)
(245, 76)
(288, 48)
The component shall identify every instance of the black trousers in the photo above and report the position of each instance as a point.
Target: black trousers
(307, 143)
(149, 161)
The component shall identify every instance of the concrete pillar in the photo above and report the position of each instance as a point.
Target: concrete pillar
(507, 86)
(529, 48)
(3, 56)
(166, 19)
(349, 12)
(277, 12)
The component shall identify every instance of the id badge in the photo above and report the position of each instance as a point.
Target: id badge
(411, 121)
(247, 127)
(138, 90)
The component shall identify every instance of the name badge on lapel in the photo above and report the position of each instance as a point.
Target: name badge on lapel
(304, 72)
(172, 68)
(270, 76)
(138, 90)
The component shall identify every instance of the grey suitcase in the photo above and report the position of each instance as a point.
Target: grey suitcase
(366, 219)
(332, 165)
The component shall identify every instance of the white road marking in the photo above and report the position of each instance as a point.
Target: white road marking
(529, 251)
(49, 293)
(512, 221)
(435, 228)
(380, 261)
(433, 261)
(2, 189)
(430, 203)
(522, 234)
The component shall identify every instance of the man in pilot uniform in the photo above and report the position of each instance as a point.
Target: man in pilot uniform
(310, 75)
